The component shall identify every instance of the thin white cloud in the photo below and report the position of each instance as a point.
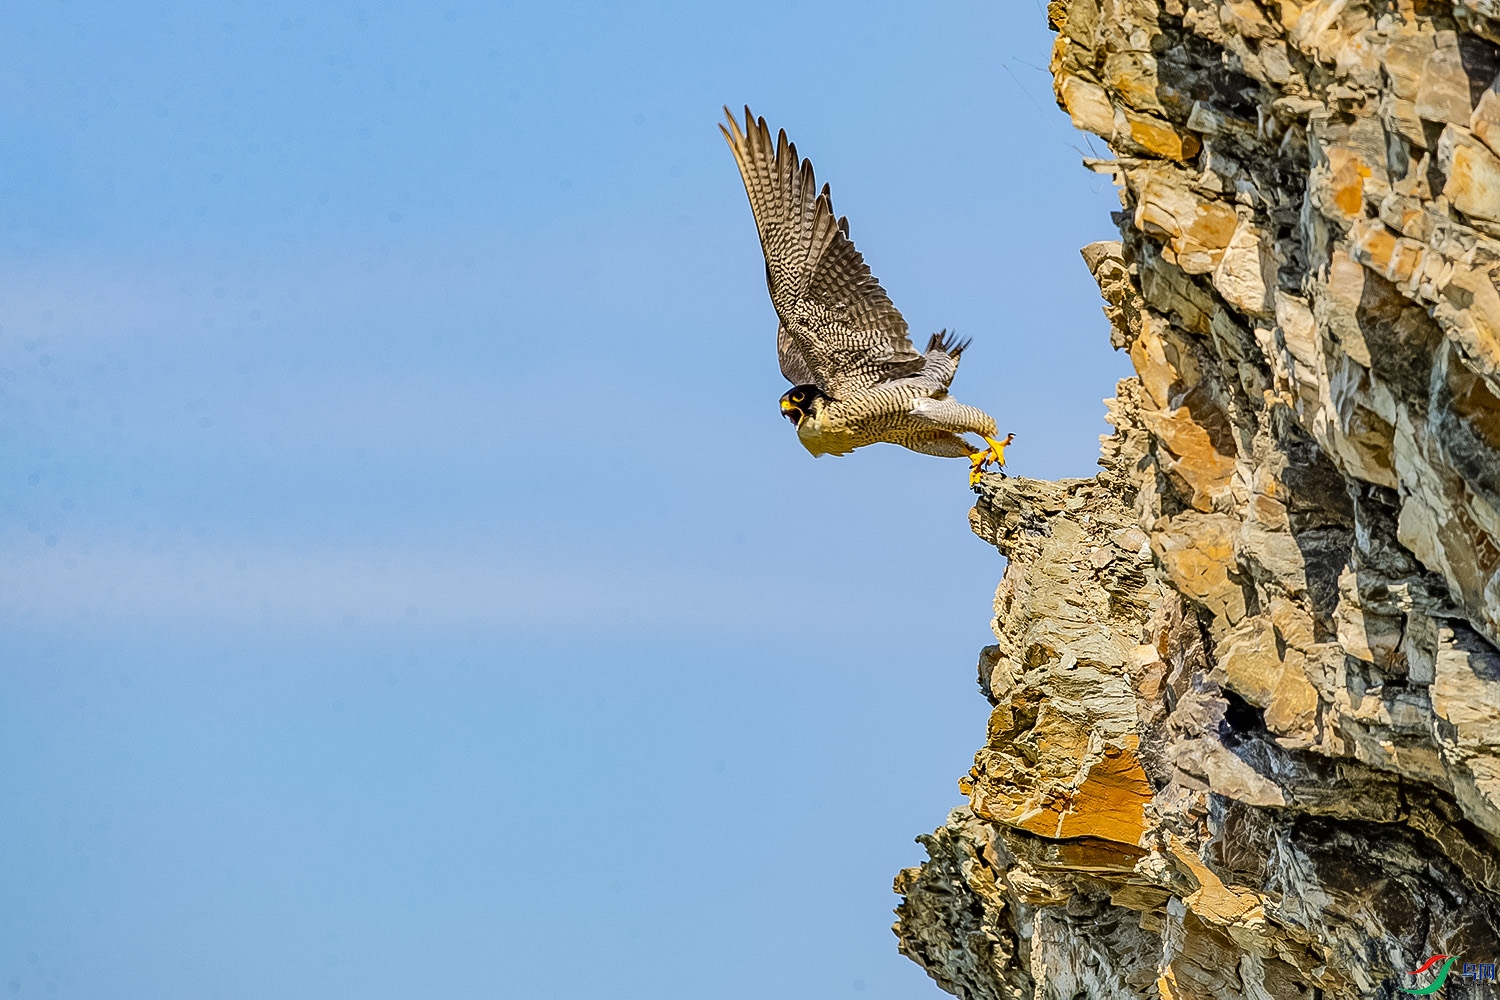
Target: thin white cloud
(112, 585)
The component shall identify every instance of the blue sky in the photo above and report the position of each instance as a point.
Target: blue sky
(408, 584)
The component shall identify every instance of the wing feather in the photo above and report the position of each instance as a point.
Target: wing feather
(794, 365)
(838, 325)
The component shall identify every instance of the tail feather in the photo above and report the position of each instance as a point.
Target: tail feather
(947, 343)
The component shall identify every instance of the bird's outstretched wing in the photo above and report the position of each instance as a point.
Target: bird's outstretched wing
(837, 323)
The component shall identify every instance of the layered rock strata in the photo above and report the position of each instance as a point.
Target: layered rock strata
(1246, 728)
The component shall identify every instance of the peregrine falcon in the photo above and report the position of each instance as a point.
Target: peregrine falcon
(856, 378)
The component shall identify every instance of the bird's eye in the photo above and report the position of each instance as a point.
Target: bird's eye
(798, 397)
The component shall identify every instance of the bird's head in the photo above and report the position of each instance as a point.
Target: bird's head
(800, 401)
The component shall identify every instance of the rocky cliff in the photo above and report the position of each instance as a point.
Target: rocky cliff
(1246, 729)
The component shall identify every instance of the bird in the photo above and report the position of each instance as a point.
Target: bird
(856, 377)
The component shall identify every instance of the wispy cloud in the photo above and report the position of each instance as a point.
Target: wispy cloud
(113, 585)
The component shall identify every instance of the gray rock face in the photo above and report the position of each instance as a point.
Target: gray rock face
(1246, 728)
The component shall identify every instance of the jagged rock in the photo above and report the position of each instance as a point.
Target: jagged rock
(1245, 737)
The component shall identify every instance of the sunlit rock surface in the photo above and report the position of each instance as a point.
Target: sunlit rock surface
(1246, 728)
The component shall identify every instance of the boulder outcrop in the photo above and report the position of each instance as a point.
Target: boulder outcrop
(1245, 738)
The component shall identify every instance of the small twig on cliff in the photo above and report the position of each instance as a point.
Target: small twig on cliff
(1048, 118)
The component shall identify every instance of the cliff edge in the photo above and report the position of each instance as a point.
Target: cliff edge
(1245, 738)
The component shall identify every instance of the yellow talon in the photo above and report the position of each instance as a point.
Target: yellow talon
(997, 449)
(995, 452)
(976, 467)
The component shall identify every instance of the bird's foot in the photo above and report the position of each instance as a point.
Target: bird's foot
(995, 452)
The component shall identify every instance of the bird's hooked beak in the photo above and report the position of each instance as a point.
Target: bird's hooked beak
(800, 401)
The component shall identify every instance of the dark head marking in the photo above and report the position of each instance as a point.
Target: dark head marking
(797, 402)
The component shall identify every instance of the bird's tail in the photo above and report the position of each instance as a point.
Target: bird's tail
(947, 343)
